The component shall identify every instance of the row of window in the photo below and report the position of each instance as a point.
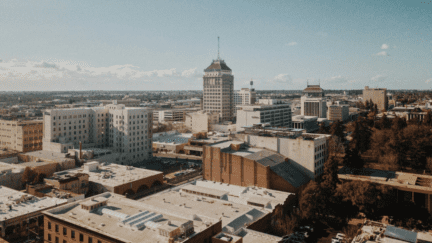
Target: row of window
(65, 233)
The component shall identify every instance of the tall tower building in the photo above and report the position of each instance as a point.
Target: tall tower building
(313, 102)
(218, 95)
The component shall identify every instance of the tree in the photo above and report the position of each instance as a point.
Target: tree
(311, 201)
(337, 129)
(323, 129)
(330, 177)
(398, 124)
(427, 120)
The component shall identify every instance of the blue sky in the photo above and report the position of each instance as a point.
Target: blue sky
(166, 45)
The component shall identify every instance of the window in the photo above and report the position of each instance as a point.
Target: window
(49, 237)
(49, 225)
(81, 237)
(64, 231)
(56, 228)
(73, 234)
(57, 240)
(90, 240)
(64, 241)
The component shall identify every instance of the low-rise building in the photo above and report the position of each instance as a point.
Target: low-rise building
(170, 142)
(305, 151)
(269, 111)
(21, 135)
(109, 217)
(77, 183)
(307, 123)
(236, 163)
(116, 178)
(21, 213)
(201, 121)
(46, 190)
(338, 112)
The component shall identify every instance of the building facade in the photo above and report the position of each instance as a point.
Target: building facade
(234, 163)
(245, 96)
(218, 93)
(313, 102)
(378, 97)
(21, 136)
(276, 114)
(125, 130)
(201, 121)
(338, 112)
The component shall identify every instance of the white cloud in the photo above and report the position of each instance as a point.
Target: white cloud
(61, 75)
(383, 53)
(378, 78)
(292, 43)
(384, 46)
(428, 81)
(282, 79)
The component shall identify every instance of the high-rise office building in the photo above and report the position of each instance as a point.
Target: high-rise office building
(218, 83)
(378, 97)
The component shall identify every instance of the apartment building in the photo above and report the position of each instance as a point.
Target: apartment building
(274, 112)
(21, 135)
(378, 97)
(125, 130)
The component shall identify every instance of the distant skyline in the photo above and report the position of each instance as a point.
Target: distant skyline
(166, 45)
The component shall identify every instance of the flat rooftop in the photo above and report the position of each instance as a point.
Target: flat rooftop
(234, 212)
(112, 175)
(42, 154)
(14, 203)
(390, 178)
(5, 167)
(123, 219)
(178, 138)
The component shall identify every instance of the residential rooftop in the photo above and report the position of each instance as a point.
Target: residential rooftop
(15, 204)
(123, 219)
(111, 175)
(171, 138)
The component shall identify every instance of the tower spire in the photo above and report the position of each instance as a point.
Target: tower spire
(218, 49)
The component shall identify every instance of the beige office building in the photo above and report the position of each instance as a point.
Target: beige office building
(21, 136)
(378, 97)
(338, 112)
(218, 95)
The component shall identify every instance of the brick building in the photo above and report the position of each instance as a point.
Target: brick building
(116, 178)
(235, 163)
(21, 214)
(113, 218)
(21, 135)
(77, 183)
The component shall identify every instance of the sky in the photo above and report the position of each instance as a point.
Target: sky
(166, 45)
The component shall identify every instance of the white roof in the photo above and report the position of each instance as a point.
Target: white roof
(23, 203)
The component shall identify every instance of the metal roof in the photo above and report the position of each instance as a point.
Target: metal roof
(400, 234)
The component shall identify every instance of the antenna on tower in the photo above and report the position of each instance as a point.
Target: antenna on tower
(218, 49)
(251, 84)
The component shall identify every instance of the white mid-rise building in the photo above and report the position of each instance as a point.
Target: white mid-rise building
(122, 129)
(274, 112)
(201, 121)
(313, 102)
(245, 96)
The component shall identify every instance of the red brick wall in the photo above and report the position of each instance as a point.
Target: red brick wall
(69, 228)
(206, 235)
(262, 224)
(280, 184)
(233, 169)
(148, 181)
